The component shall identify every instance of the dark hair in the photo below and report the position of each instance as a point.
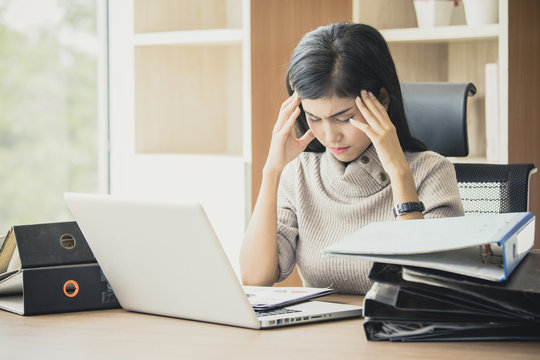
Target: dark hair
(342, 59)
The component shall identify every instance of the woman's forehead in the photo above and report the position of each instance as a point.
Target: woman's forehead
(327, 106)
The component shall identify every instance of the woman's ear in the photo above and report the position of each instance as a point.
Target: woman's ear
(384, 98)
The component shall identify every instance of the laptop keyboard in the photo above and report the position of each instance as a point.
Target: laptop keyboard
(276, 312)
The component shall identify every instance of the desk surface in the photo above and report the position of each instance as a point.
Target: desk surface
(117, 333)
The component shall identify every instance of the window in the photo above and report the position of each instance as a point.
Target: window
(52, 106)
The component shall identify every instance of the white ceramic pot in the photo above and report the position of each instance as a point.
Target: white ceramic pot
(430, 13)
(481, 12)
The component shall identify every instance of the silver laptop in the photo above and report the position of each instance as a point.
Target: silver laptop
(165, 259)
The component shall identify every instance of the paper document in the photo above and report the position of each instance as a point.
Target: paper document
(270, 297)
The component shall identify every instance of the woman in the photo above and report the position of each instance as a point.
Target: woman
(354, 162)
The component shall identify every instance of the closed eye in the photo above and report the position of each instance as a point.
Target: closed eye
(343, 121)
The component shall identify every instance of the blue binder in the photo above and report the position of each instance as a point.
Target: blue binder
(484, 246)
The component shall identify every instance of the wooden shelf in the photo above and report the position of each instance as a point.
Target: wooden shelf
(469, 159)
(441, 34)
(190, 37)
(171, 157)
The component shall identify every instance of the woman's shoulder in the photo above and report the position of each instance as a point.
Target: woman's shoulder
(425, 156)
(427, 161)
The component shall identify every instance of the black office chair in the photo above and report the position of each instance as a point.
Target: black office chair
(494, 188)
(437, 115)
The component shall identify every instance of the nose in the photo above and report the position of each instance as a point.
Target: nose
(332, 133)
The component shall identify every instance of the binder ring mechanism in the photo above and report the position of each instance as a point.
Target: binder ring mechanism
(71, 288)
(491, 255)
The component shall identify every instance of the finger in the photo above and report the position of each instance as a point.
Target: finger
(368, 114)
(368, 99)
(376, 108)
(377, 103)
(368, 130)
(289, 124)
(287, 108)
(382, 112)
(306, 138)
(289, 100)
(295, 101)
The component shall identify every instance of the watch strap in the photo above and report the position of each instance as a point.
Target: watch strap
(408, 207)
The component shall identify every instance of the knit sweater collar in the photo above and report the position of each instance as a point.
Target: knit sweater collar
(362, 177)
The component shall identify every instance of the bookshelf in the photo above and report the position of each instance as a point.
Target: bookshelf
(188, 76)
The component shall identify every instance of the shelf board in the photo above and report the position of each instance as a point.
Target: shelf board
(194, 157)
(471, 159)
(190, 37)
(442, 33)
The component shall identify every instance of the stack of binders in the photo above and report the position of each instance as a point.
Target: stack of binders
(49, 268)
(464, 278)
(418, 304)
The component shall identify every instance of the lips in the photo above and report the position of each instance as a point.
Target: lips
(339, 150)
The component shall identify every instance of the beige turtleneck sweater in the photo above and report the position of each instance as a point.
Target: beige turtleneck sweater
(320, 201)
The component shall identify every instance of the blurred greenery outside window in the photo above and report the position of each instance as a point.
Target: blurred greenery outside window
(50, 99)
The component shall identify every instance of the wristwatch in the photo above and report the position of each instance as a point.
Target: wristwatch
(408, 207)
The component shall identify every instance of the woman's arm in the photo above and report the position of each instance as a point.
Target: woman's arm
(383, 135)
(438, 188)
(259, 252)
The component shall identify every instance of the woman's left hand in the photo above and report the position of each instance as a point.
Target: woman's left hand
(382, 133)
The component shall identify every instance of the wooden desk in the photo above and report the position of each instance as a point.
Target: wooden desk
(118, 334)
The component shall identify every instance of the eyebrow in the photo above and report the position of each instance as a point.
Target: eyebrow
(334, 115)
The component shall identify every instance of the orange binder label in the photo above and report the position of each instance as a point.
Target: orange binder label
(71, 288)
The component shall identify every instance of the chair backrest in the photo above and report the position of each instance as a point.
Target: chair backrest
(437, 115)
(494, 188)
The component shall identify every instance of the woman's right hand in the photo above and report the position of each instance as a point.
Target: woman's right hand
(284, 146)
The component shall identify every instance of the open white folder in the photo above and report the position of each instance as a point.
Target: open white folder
(483, 246)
